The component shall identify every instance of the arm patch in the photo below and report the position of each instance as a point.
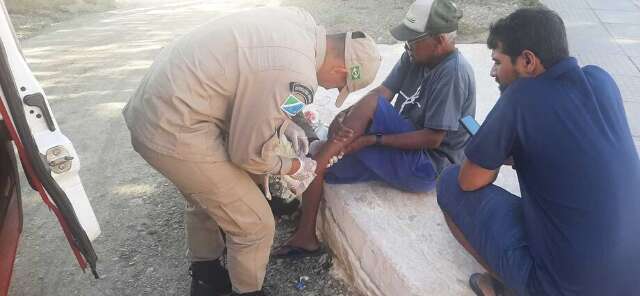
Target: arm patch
(303, 93)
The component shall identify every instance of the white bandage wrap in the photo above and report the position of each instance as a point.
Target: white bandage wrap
(307, 169)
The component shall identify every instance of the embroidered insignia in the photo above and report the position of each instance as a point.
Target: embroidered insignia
(301, 92)
(292, 105)
(355, 73)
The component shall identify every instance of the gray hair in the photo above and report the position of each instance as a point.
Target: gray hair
(450, 37)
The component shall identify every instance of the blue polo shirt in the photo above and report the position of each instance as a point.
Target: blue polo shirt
(579, 175)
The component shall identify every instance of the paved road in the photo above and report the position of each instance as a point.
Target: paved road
(607, 33)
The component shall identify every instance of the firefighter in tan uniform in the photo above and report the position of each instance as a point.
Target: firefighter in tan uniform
(208, 114)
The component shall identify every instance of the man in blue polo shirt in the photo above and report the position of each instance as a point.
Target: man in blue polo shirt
(576, 228)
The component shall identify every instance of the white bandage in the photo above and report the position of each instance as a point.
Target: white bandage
(297, 186)
(334, 160)
(306, 170)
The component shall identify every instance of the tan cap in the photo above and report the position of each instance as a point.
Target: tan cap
(362, 59)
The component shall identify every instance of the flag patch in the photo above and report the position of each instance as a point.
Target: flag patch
(292, 105)
(355, 73)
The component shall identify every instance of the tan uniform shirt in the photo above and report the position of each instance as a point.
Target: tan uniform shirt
(220, 92)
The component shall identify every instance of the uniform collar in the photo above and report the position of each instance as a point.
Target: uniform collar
(321, 46)
(561, 67)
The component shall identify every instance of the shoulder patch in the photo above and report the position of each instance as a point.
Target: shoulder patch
(292, 105)
(355, 72)
(301, 91)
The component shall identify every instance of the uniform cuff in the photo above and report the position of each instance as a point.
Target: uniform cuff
(285, 165)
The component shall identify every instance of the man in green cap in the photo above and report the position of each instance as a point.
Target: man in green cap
(408, 143)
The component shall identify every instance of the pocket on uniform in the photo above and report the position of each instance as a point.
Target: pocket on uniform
(242, 218)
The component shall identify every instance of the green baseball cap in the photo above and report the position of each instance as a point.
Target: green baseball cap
(428, 17)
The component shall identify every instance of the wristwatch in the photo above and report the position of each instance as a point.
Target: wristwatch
(378, 139)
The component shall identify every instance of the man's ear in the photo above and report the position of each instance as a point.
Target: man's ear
(440, 39)
(529, 64)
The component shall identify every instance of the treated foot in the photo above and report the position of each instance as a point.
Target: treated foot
(482, 284)
(302, 244)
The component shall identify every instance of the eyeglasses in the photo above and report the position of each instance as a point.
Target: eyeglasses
(412, 42)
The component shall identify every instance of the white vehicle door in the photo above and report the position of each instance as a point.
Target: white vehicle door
(47, 156)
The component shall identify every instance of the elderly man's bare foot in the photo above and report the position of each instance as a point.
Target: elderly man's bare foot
(482, 284)
(296, 248)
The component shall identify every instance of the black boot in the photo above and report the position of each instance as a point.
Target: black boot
(209, 278)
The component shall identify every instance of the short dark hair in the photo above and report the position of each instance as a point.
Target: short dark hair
(538, 29)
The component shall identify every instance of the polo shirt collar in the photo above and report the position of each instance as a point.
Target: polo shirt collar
(561, 67)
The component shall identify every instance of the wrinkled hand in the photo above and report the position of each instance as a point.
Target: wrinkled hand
(359, 143)
(298, 139)
(341, 133)
(335, 159)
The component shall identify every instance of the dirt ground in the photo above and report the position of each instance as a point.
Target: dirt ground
(89, 65)
(32, 16)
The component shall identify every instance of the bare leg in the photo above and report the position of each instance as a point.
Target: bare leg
(357, 120)
(485, 285)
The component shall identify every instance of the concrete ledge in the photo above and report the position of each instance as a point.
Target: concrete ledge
(393, 243)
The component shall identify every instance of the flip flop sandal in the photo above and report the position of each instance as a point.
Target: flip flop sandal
(474, 283)
(291, 252)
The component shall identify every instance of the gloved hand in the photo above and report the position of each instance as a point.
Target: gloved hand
(307, 169)
(298, 139)
(300, 180)
(297, 187)
(315, 146)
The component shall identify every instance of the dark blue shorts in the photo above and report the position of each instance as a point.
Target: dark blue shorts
(407, 170)
(491, 220)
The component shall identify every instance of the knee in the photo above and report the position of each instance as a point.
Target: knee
(268, 228)
(447, 186)
(254, 227)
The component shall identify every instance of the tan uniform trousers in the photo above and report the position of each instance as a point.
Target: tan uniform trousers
(221, 194)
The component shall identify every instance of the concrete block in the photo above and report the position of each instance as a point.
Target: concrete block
(393, 243)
